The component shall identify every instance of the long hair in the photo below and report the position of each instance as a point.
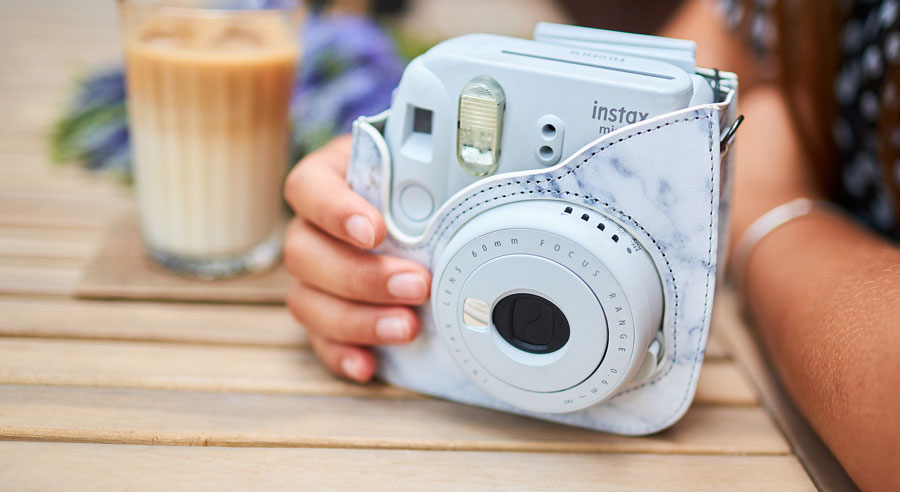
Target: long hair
(841, 110)
(796, 44)
(807, 54)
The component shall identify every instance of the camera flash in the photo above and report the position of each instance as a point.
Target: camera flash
(479, 125)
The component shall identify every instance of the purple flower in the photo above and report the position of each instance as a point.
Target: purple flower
(101, 89)
(95, 130)
(349, 69)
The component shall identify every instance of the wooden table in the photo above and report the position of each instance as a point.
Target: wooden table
(121, 394)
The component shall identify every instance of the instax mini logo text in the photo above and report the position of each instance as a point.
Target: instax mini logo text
(614, 115)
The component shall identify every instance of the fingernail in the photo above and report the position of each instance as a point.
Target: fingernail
(353, 368)
(407, 286)
(360, 229)
(392, 329)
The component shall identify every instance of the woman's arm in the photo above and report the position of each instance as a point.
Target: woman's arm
(825, 293)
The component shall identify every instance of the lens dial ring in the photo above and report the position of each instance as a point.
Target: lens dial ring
(607, 289)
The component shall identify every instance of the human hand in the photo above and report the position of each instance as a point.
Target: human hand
(347, 297)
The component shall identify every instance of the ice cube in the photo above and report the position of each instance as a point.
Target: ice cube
(237, 38)
(166, 33)
(161, 39)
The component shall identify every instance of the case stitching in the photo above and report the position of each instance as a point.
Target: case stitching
(705, 295)
(440, 231)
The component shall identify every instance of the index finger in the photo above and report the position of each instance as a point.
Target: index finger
(318, 192)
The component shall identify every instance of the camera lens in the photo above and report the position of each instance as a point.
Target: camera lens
(531, 323)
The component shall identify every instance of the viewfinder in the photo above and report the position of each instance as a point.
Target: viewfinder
(422, 120)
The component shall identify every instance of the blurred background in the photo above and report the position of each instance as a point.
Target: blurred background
(62, 77)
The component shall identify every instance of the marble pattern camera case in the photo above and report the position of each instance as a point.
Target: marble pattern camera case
(665, 177)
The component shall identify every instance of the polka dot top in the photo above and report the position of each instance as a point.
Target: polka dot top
(866, 130)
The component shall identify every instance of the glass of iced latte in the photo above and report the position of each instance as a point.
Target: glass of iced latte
(209, 85)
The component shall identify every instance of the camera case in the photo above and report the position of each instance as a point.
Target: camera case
(577, 287)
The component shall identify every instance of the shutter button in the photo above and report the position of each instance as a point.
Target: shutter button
(416, 202)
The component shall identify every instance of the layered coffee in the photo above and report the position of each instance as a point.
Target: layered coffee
(208, 96)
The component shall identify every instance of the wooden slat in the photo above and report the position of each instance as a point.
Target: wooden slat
(173, 367)
(38, 280)
(87, 205)
(67, 188)
(236, 369)
(145, 321)
(68, 235)
(724, 383)
(30, 163)
(40, 263)
(65, 181)
(45, 248)
(36, 211)
(22, 242)
(25, 466)
(44, 29)
(31, 113)
(24, 142)
(127, 416)
(58, 9)
(715, 349)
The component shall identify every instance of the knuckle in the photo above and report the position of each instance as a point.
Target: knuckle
(320, 348)
(366, 279)
(296, 305)
(353, 326)
(294, 252)
(294, 181)
(355, 280)
(295, 226)
(309, 314)
(326, 216)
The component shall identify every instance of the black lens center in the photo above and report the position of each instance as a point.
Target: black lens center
(531, 323)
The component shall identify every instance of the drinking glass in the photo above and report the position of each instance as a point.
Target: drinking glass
(209, 84)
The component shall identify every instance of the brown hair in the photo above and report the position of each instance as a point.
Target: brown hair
(807, 54)
(803, 57)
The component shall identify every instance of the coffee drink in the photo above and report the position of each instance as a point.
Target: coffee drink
(208, 96)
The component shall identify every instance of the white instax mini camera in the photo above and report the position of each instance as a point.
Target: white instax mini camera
(569, 196)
